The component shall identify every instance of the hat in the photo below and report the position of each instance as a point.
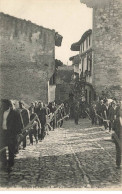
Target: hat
(105, 100)
(6, 101)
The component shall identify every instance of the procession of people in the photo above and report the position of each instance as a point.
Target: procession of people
(18, 122)
(108, 113)
(36, 121)
(104, 112)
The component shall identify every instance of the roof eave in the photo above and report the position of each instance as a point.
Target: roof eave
(76, 46)
(58, 39)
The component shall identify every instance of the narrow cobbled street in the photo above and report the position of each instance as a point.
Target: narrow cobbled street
(74, 156)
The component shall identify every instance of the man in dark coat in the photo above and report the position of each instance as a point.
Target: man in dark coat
(36, 107)
(53, 109)
(99, 111)
(105, 112)
(42, 117)
(93, 113)
(25, 118)
(76, 112)
(11, 126)
(35, 128)
(117, 137)
(112, 115)
(32, 107)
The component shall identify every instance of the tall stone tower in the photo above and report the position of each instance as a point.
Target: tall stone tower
(107, 56)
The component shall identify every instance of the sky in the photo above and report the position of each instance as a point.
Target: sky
(69, 18)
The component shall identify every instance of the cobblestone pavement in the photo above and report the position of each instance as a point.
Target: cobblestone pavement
(75, 156)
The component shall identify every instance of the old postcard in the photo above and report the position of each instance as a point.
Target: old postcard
(60, 94)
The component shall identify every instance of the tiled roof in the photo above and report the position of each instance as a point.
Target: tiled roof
(76, 46)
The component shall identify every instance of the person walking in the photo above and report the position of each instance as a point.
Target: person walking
(117, 137)
(35, 128)
(42, 117)
(76, 112)
(25, 118)
(53, 111)
(32, 107)
(105, 111)
(36, 107)
(112, 115)
(11, 126)
(93, 113)
(99, 112)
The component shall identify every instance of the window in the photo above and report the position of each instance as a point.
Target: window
(86, 42)
(82, 64)
(90, 64)
(83, 46)
(89, 40)
(87, 63)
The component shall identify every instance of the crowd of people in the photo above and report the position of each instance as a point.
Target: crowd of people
(104, 112)
(37, 120)
(108, 113)
(18, 122)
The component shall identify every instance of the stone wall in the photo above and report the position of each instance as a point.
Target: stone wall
(107, 30)
(64, 83)
(107, 56)
(27, 59)
(62, 92)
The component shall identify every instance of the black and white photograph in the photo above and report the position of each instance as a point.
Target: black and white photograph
(61, 95)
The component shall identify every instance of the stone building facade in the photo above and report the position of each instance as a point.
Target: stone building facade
(64, 83)
(27, 59)
(106, 44)
(83, 67)
(52, 88)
